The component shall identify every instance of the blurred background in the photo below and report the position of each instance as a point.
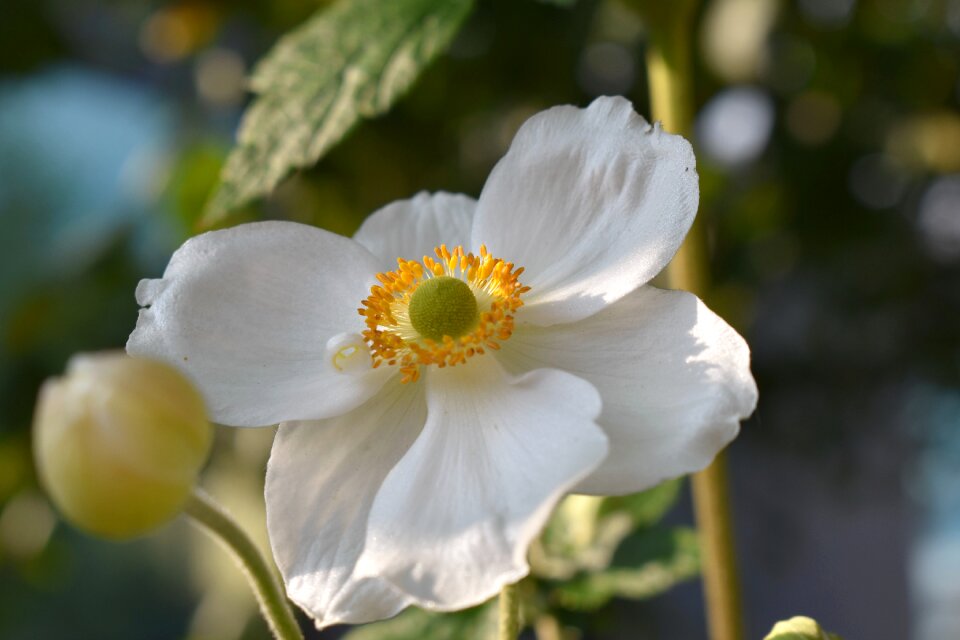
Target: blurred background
(828, 137)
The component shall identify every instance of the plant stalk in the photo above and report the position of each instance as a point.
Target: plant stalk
(670, 70)
(721, 582)
(268, 589)
(509, 627)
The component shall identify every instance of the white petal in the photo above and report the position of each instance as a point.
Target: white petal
(248, 313)
(592, 202)
(674, 377)
(412, 228)
(453, 520)
(321, 482)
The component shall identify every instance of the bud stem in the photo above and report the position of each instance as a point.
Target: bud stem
(509, 613)
(266, 586)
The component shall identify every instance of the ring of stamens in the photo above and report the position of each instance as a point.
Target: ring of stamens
(390, 333)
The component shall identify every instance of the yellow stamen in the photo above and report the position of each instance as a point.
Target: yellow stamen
(390, 333)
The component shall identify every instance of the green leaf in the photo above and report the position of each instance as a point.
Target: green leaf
(584, 531)
(349, 61)
(647, 507)
(572, 526)
(799, 628)
(478, 623)
(645, 565)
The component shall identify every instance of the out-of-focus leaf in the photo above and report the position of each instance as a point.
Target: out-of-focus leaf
(645, 565)
(585, 531)
(560, 3)
(478, 623)
(350, 61)
(572, 527)
(799, 628)
(647, 507)
(574, 539)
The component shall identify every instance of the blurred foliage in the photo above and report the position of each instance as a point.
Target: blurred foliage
(350, 61)
(585, 531)
(472, 624)
(835, 240)
(646, 565)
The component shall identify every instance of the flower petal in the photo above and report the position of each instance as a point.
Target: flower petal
(412, 228)
(248, 313)
(453, 520)
(674, 377)
(592, 202)
(321, 482)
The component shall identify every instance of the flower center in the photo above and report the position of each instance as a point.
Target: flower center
(443, 306)
(441, 310)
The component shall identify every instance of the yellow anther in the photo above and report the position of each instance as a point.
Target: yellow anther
(394, 337)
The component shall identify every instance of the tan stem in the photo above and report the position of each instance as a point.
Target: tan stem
(671, 99)
(509, 627)
(721, 582)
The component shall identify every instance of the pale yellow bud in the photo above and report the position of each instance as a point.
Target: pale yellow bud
(799, 628)
(118, 442)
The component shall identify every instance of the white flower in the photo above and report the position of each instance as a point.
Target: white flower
(417, 482)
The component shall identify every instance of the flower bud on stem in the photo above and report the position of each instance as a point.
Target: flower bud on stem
(119, 443)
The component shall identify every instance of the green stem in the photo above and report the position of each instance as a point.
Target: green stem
(263, 580)
(509, 627)
(721, 584)
(669, 67)
(671, 100)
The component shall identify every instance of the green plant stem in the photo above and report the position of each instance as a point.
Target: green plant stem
(509, 627)
(670, 72)
(671, 99)
(721, 583)
(263, 580)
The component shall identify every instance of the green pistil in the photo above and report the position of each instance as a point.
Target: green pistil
(443, 306)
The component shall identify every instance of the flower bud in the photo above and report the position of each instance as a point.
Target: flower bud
(118, 443)
(799, 628)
